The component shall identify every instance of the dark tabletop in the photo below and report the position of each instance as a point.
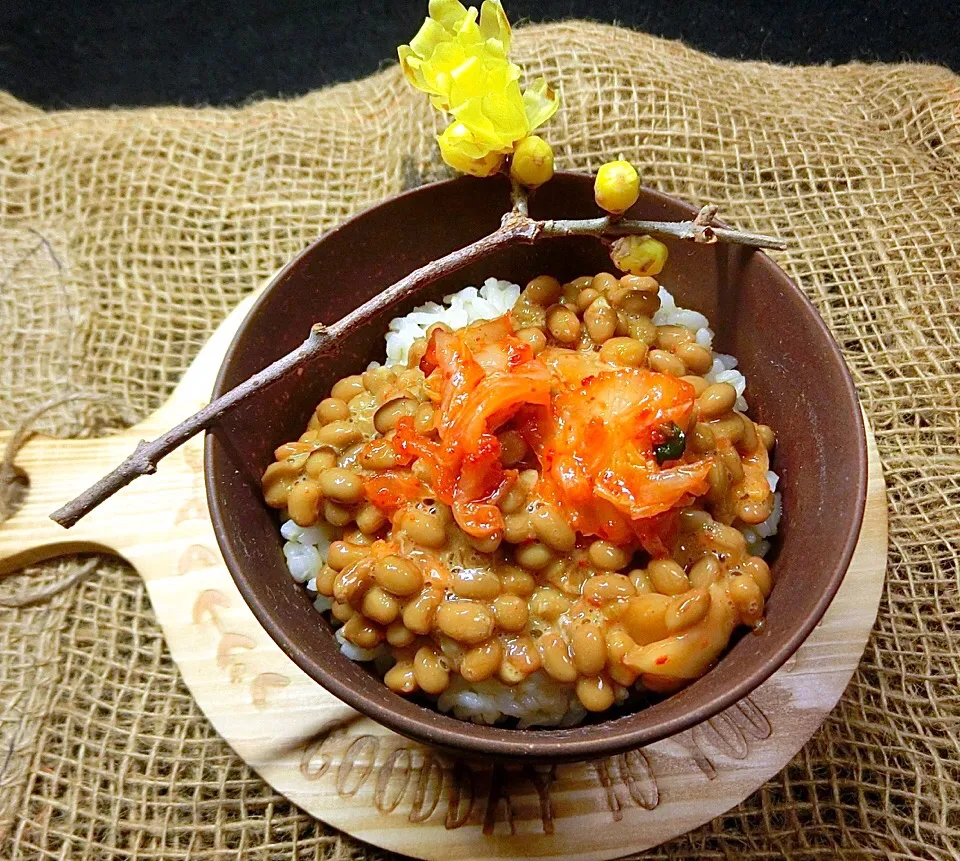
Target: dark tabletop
(59, 53)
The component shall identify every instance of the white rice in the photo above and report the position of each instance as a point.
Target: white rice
(538, 700)
(494, 299)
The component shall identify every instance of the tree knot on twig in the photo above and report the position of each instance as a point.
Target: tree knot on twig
(702, 230)
(522, 227)
(142, 460)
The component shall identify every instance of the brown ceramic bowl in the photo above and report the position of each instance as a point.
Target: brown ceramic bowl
(797, 383)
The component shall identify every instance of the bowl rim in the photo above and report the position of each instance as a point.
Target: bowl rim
(546, 744)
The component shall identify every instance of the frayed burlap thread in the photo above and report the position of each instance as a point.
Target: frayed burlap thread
(126, 236)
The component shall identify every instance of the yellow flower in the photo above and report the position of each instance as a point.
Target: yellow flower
(450, 37)
(639, 255)
(532, 162)
(462, 152)
(459, 58)
(616, 187)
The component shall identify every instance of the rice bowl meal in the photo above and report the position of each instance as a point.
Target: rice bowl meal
(545, 503)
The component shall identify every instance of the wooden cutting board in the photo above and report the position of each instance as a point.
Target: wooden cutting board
(365, 780)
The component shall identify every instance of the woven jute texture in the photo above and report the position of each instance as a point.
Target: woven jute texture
(126, 236)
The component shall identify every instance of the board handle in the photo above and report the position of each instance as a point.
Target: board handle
(58, 470)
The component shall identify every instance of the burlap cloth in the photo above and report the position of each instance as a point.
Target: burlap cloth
(126, 236)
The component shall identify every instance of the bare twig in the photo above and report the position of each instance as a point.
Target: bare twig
(694, 230)
(703, 224)
(518, 196)
(516, 227)
(321, 339)
(21, 433)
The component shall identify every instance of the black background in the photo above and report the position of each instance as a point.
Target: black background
(63, 53)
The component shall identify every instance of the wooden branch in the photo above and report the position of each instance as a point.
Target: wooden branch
(699, 230)
(516, 227)
(518, 197)
(146, 456)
